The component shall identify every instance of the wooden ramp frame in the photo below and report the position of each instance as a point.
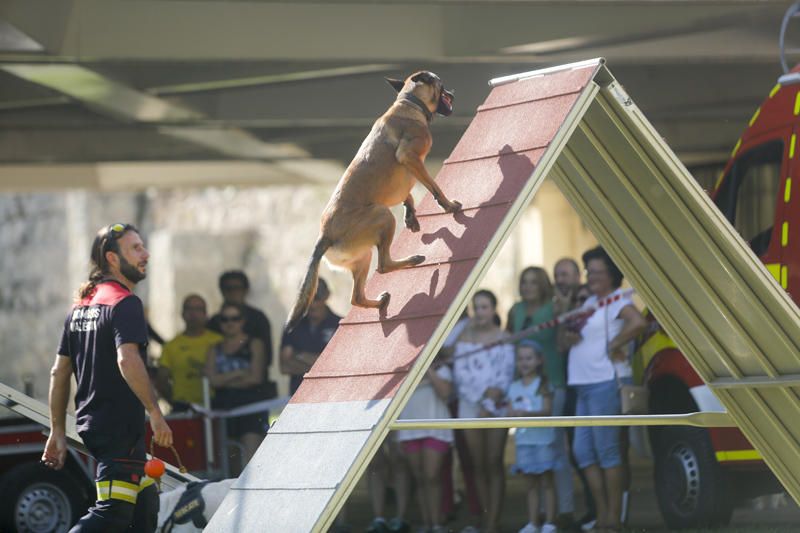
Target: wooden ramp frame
(577, 125)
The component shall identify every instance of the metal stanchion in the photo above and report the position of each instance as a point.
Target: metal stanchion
(223, 446)
(207, 426)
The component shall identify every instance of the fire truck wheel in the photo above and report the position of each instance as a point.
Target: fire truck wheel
(690, 486)
(35, 499)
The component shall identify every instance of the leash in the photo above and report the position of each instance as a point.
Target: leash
(182, 468)
(416, 102)
(579, 314)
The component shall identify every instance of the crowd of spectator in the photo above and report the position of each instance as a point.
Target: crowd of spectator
(574, 368)
(233, 350)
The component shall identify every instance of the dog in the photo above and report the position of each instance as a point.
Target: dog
(382, 174)
(189, 508)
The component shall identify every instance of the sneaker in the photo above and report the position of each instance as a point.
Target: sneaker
(529, 528)
(548, 528)
(378, 525)
(398, 525)
(588, 526)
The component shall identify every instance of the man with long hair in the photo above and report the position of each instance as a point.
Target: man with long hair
(103, 344)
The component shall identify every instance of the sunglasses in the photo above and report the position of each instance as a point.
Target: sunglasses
(114, 232)
(229, 318)
(117, 229)
(233, 287)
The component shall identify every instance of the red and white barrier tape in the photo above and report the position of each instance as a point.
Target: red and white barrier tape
(575, 314)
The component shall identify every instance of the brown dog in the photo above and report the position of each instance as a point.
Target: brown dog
(381, 175)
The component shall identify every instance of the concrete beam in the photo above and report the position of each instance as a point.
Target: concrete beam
(394, 31)
(114, 29)
(115, 99)
(144, 175)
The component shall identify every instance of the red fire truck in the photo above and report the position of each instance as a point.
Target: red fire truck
(701, 474)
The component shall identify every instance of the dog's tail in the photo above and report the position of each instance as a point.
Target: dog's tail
(309, 286)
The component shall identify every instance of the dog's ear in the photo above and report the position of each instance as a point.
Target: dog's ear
(396, 84)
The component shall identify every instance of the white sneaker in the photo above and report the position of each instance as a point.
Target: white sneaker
(623, 515)
(588, 526)
(529, 528)
(548, 528)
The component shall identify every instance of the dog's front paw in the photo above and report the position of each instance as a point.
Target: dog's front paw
(412, 223)
(451, 207)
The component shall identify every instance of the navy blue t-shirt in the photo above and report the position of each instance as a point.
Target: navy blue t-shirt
(308, 338)
(97, 325)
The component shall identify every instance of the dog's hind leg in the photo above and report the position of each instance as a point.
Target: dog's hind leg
(385, 235)
(360, 269)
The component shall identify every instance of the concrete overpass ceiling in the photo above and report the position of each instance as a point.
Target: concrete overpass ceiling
(275, 81)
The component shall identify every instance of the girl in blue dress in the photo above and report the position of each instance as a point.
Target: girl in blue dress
(537, 458)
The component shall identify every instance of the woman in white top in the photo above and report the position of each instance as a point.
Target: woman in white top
(482, 378)
(591, 372)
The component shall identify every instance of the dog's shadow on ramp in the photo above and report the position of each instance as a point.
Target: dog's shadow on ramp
(446, 234)
(481, 217)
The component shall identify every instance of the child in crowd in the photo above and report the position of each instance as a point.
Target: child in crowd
(425, 450)
(530, 395)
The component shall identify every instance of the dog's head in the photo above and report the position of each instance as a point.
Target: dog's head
(429, 88)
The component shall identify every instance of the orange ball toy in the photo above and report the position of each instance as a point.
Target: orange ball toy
(154, 468)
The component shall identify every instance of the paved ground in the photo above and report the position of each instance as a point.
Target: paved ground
(645, 516)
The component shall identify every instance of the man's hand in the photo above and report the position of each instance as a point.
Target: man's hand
(55, 451)
(162, 434)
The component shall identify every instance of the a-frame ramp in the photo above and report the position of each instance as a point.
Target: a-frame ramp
(575, 124)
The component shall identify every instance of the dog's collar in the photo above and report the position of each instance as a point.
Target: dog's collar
(416, 102)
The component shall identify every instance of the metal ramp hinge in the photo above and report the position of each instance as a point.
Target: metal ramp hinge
(619, 94)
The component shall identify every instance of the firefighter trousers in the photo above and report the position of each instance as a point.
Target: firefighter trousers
(127, 500)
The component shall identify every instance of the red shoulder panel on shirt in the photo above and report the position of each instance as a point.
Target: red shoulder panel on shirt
(107, 293)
